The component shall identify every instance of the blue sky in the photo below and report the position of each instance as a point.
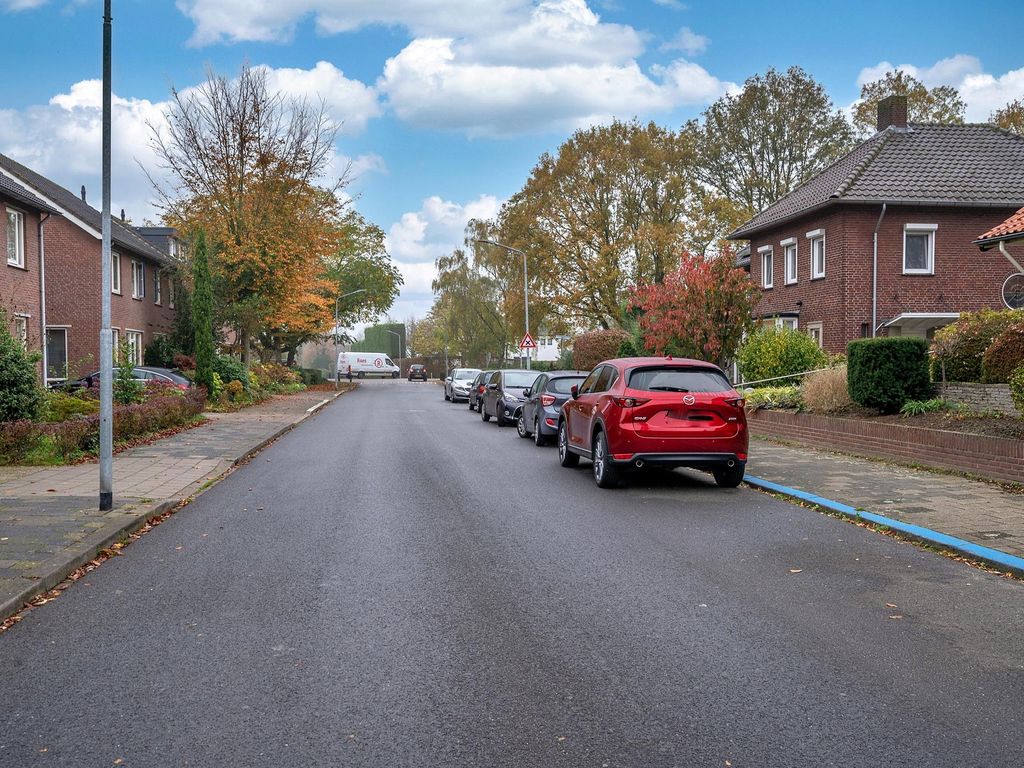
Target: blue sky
(447, 104)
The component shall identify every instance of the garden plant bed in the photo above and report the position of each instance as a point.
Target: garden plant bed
(991, 424)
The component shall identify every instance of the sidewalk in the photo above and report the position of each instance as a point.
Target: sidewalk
(975, 511)
(49, 521)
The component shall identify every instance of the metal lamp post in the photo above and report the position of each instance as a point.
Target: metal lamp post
(526, 294)
(400, 350)
(337, 368)
(106, 500)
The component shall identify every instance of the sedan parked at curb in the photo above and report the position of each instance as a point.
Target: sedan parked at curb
(504, 395)
(538, 417)
(477, 388)
(638, 412)
(459, 383)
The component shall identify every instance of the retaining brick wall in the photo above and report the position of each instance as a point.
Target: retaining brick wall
(996, 458)
(980, 397)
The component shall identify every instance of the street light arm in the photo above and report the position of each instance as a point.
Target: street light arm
(526, 283)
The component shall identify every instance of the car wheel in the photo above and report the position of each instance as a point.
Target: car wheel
(447, 397)
(483, 412)
(606, 475)
(395, 375)
(729, 477)
(565, 457)
(470, 404)
(538, 438)
(361, 375)
(500, 420)
(521, 429)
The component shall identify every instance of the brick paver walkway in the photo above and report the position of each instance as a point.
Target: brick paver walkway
(972, 510)
(48, 515)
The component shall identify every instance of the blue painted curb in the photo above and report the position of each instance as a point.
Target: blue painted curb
(985, 554)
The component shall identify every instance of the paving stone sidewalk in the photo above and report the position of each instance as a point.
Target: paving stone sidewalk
(49, 521)
(972, 510)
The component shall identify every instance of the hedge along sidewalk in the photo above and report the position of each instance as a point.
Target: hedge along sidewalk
(980, 513)
(49, 521)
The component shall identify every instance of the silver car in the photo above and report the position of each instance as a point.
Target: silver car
(456, 386)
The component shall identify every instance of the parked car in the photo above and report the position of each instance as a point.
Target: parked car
(504, 395)
(477, 387)
(458, 384)
(417, 371)
(141, 373)
(544, 399)
(638, 412)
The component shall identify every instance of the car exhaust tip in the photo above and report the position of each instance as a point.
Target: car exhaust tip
(730, 463)
(639, 463)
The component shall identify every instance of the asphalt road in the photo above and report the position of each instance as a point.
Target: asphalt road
(395, 583)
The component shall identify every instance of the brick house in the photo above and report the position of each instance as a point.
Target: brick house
(882, 241)
(140, 308)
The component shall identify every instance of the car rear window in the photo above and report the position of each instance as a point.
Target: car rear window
(675, 379)
(562, 386)
(520, 379)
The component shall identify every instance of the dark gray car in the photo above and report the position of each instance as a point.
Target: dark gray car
(504, 395)
(539, 415)
(476, 389)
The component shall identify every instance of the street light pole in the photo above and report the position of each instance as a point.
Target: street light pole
(106, 500)
(337, 368)
(526, 294)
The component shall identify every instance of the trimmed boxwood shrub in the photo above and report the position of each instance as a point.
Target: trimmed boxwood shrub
(1003, 355)
(591, 348)
(959, 348)
(770, 352)
(885, 373)
(229, 369)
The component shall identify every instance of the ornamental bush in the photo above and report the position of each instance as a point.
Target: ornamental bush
(885, 373)
(159, 352)
(21, 397)
(591, 348)
(1017, 389)
(17, 439)
(959, 348)
(1003, 355)
(771, 352)
(229, 369)
(826, 391)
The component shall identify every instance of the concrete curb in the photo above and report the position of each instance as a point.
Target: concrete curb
(987, 555)
(54, 570)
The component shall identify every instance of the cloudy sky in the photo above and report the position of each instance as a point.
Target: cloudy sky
(445, 105)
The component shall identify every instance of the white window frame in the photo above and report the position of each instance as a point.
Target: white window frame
(21, 329)
(767, 253)
(135, 341)
(819, 327)
(817, 235)
(157, 292)
(789, 246)
(138, 279)
(788, 322)
(115, 342)
(170, 290)
(920, 229)
(115, 273)
(18, 259)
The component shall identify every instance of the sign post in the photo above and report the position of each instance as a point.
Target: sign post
(526, 345)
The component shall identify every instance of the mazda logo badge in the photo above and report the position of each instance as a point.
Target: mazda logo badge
(689, 399)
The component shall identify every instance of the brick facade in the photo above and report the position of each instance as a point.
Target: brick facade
(20, 285)
(964, 279)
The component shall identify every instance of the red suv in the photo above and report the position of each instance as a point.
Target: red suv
(638, 412)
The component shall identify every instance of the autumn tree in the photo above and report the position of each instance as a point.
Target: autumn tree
(701, 310)
(1010, 117)
(757, 145)
(202, 313)
(941, 104)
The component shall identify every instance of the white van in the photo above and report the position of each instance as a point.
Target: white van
(363, 364)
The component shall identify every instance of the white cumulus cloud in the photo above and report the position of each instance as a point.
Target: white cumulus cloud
(350, 103)
(687, 41)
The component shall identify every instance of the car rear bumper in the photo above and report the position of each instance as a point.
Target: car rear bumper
(671, 460)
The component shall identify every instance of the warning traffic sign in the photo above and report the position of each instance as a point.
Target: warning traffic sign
(527, 342)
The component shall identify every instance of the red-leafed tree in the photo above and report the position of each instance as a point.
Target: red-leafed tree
(701, 310)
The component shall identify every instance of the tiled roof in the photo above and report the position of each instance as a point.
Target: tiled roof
(14, 191)
(121, 234)
(1011, 229)
(971, 165)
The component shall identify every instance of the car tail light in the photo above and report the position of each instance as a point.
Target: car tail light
(741, 456)
(736, 402)
(547, 399)
(631, 402)
(480, 389)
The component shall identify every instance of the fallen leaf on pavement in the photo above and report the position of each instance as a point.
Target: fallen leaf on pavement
(896, 616)
(796, 570)
(890, 605)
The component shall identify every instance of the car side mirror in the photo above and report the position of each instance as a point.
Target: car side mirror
(575, 391)
(448, 378)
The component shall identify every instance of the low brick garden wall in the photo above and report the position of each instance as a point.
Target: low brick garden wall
(979, 397)
(997, 458)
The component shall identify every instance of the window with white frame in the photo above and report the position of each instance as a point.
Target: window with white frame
(817, 244)
(919, 249)
(170, 290)
(786, 322)
(767, 258)
(15, 238)
(115, 343)
(21, 330)
(138, 279)
(56, 354)
(115, 273)
(157, 295)
(789, 258)
(814, 330)
(134, 342)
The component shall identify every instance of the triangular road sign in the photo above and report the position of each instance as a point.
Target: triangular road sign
(527, 342)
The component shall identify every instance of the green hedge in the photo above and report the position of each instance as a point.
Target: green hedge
(771, 352)
(1003, 355)
(887, 372)
(589, 349)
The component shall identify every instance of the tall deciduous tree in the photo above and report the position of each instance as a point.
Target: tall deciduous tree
(757, 145)
(1010, 117)
(941, 104)
(701, 310)
(202, 312)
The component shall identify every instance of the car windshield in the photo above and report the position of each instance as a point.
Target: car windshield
(519, 378)
(564, 385)
(671, 379)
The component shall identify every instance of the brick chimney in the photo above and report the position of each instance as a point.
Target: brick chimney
(892, 111)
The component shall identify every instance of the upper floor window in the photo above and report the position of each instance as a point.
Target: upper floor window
(115, 273)
(138, 279)
(15, 238)
(790, 256)
(157, 296)
(817, 241)
(919, 249)
(767, 258)
(170, 290)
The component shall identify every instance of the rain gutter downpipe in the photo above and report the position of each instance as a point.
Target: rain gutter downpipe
(42, 293)
(1006, 253)
(874, 276)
